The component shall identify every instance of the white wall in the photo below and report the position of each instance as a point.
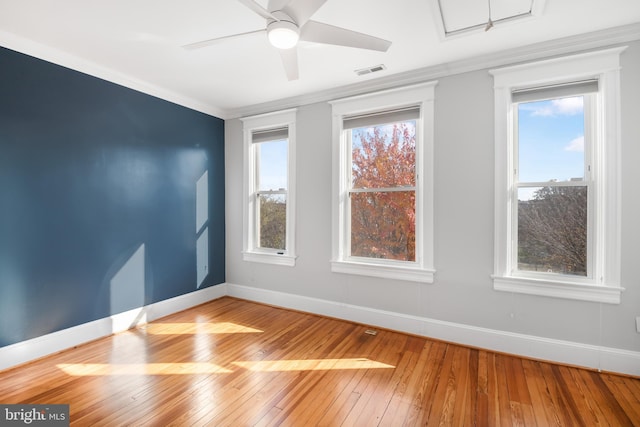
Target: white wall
(464, 164)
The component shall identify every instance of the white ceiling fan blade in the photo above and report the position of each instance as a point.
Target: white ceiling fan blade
(290, 62)
(251, 4)
(328, 34)
(277, 4)
(302, 10)
(209, 42)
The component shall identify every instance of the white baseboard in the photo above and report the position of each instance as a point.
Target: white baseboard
(35, 348)
(567, 352)
(559, 351)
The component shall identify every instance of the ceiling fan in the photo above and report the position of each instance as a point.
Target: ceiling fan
(288, 21)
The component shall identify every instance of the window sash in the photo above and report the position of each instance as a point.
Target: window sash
(266, 192)
(556, 91)
(515, 267)
(590, 132)
(258, 138)
(381, 118)
(350, 211)
(257, 160)
(383, 189)
(259, 224)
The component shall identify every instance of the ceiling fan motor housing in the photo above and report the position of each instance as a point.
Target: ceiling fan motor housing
(284, 33)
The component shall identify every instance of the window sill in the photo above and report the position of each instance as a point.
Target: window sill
(558, 289)
(269, 258)
(412, 274)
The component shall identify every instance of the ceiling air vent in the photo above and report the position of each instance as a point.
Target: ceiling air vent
(375, 68)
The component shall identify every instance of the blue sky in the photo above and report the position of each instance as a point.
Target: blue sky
(273, 165)
(551, 145)
(551, 140)
(273, 159)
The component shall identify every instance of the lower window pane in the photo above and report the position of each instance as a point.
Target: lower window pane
(383, 225)
(552, 230)
(273, 221)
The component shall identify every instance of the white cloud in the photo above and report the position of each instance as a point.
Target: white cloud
(560, 107)
(568, 106)
(576, 144)
(545, 111)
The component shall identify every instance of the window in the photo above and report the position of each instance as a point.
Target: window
(553, 179)
(557, 177)
(269, 210)
(383, 191)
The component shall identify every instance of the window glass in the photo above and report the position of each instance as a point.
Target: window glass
(551, 140)
(552, 229)
(552, 219)
(272, 165)
(273, 221)
(384, 156)
(383, 225)
(383, 222)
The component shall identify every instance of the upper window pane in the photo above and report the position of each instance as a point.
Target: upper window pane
(384, 156)
(551, 140)
(272, 165)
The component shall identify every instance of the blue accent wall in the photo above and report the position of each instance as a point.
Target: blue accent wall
(98, 198)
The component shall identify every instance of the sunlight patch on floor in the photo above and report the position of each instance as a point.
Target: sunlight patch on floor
(312, 365)
(193, 368)
(198, 328)
(106, 369)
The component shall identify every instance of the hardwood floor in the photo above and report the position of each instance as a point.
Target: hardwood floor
(237, 363)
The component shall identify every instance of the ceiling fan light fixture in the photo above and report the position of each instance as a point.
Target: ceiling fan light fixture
(283, 34)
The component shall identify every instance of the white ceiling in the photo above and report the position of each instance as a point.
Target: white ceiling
(139, 42)
(463, 15)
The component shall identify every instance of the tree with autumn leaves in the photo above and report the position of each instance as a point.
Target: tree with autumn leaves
(383, 202)
(552, 226)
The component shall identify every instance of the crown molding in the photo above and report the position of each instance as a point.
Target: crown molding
(549, 49)
(573, 44)
(67, 60)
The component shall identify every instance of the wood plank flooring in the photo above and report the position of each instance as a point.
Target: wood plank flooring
(237, 363)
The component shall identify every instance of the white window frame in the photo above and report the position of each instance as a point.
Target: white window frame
(420, 270)
(251, 250)
(603, 282)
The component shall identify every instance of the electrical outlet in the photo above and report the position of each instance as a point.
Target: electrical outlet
(638, 324)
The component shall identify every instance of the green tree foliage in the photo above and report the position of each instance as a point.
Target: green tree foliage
(273, 224)
(552, 230)
(383, 222)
